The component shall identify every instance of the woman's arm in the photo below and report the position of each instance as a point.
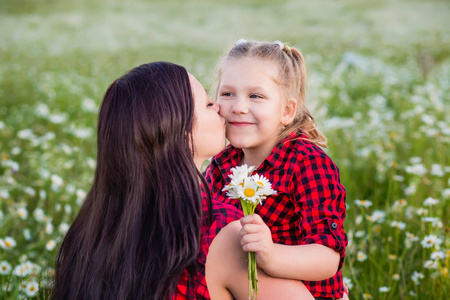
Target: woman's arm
(227, 277)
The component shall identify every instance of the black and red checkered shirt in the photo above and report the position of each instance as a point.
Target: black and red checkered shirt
(309, 207)
(193, 286)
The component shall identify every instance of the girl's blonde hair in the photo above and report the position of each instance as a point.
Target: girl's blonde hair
(291, 80)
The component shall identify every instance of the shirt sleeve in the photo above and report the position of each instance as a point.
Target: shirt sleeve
(320, 203)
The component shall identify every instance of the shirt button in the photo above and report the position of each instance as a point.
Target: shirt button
(334, 225)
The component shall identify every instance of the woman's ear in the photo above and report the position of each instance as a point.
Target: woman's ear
(289, 112)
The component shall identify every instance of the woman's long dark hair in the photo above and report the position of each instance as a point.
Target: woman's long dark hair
(139, 227)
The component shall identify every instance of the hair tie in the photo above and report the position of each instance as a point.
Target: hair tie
(240, 41)
(280, 44)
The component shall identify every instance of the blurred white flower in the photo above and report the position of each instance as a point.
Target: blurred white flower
(50, 245)
(5, 268)
(25, 134)
(435, 221)
(48, 228)
(384, 289)
(30, 191)
(361, 256)
(437, 170)
(428, 119)
(417, 169)
(39, 214)
(57, 118)
(16, 150)
(410, 190)
(42, 194)
(32, 288)
(44, 173)
(398, 225)
(8, 243)
(377, 216)
(348, 283)
(27, 234)
(416, 277)
(430, 201)
(89, 105)
(422, 211)
(42, 110)
(63, 228)
(410, 239)
(415, 160)
(446, 193)
(82, 133)
(7, 287)
(396, 277)
(4, 194)
(2, 125)
(398, 178)
(430, 264)
(360, 233)
(430, 241)
(22, 213)
(363, 203)
(20, 270)
(57, 182)
(438, 255)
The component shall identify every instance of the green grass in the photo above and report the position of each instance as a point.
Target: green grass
(379, 86)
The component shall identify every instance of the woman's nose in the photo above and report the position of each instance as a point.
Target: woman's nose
(216, 107)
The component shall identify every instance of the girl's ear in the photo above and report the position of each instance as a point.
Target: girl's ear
(289, 112)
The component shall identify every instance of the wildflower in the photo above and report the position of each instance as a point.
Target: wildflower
(392, 257)
(82, 133)
(360, 233)
(422, 211)
(367, 296)
(430, 264)
(8, 243)
(2, 125)
(57, 118)
(38, 214)
(396, 277)
(48, 228)
(361, 256)
(42, 194)
(32, 288)
(348, 283)
(430, 241)
(20, 271)
(417, 169)
(42, 110)
(411, 189)
(27, 234)
(57, 182)
(416, 277)
(430, 201)
(377, 216)
(400, 203)
(50, 245)
(415, 160)
(68, 209)
(63, 228)
(437, 255)
(25, 134)
(435, 221)
(22, 213)
(398, 178)
(410, 239)
(7, 287)
(384, 289)
(4, 194)
(398, 225)
(5, 268)
(376, 229)
(89, 105)
(437, 170)
(363, 203)
(446, 193)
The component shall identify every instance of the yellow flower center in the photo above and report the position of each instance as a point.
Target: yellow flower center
(31, 288)
(249, 193)
(260, 183)
(241, 184)
(8, 244)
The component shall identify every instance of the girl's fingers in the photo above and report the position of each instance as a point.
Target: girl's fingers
(251, 219)
(251, 228)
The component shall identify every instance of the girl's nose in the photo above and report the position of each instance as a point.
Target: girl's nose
(239, 107)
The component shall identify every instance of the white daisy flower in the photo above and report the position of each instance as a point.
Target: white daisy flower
(50, 245)
(437, 255)
(430, 201)
(27, 234)
(396, 277)
(363, 203)
(20, 271)
(430, 264)
(348, 283)
(384, 289)
(5, 268)
(430, 241)
(48, 228)
(22, 212)
(39, 214)
(398, 225)
(361, 256)
(377, 216)
(8, 243)
(249, 192)
(63, 228)
(265, 187)
(416, 277)
(32, 288)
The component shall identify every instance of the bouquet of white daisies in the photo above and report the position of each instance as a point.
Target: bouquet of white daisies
(251, 190)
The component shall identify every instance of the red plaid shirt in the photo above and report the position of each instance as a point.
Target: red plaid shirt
(193, 286)
(309, 207)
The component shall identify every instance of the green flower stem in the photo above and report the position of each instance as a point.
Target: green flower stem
(249, 208)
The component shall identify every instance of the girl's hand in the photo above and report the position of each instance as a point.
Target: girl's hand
(256, 237)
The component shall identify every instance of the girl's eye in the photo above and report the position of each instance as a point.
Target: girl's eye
(226, 94)
(254, 96)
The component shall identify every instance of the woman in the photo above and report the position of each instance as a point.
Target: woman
(143, 231)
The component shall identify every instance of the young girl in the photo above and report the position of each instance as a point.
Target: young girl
(261, 91)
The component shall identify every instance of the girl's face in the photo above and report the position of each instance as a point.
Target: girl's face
(209, 126)
(252, 104)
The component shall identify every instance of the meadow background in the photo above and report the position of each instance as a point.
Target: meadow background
(379, 87)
